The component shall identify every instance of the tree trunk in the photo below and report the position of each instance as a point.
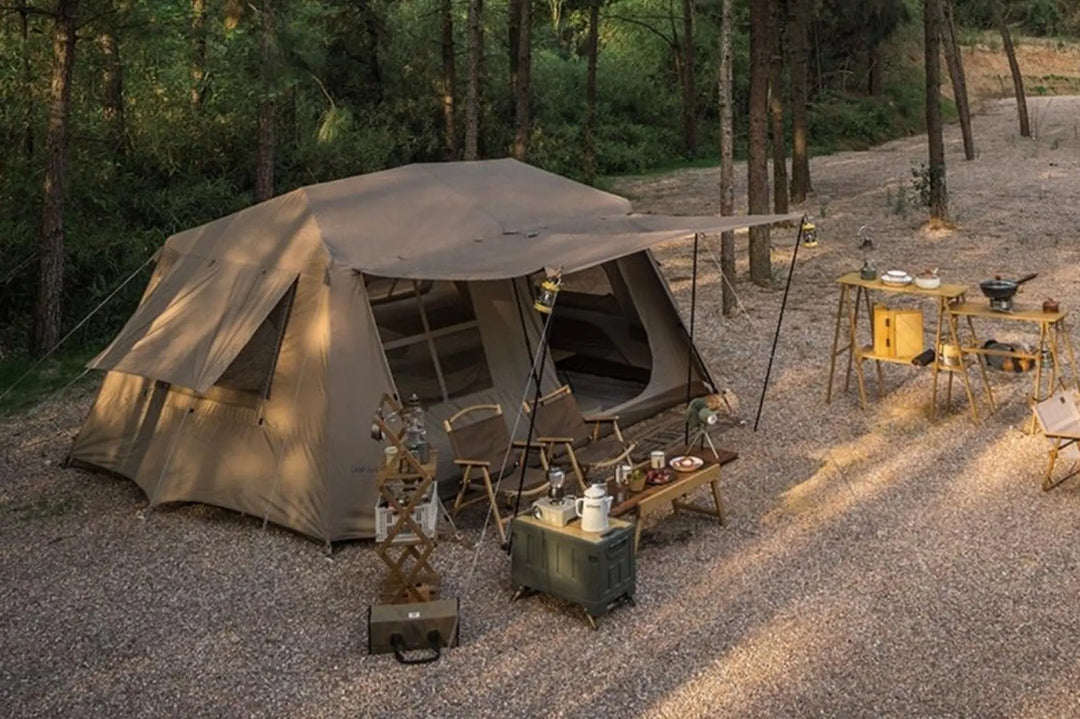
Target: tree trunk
(873, 72)
(449, 79)
(513, 42)
(26, 79)
(475, 43)
(264, 152)
(727, 164)
(524, 70)
(1014, 68)
(112, 81)
(689, 110)
(757, 161)
(48, 313)
(198, 47)
(955, 61)
(798, 71)
(776, 113)
(590, 92)
(932, 32)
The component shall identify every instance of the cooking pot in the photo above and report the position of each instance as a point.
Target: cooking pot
(999, 289)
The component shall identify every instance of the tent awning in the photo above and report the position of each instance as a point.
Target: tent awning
(195, 322)
(571, 245)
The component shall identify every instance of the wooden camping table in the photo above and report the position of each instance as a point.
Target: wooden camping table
(1053, 339)
(656, 497)
(851, 283)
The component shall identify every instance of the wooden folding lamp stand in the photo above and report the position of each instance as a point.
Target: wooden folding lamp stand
(411, 616)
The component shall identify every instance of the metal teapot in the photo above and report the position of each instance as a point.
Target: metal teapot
(593, 509)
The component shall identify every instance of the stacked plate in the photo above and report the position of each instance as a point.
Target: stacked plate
(896, 277)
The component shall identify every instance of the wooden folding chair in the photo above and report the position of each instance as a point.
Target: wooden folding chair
(564, 432)
(480, 441)
(1059, 419)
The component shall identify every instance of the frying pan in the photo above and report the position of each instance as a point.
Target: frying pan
(999, 289)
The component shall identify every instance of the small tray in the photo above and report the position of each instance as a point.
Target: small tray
(687, 463)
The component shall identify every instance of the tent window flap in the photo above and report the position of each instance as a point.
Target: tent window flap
(196, 322)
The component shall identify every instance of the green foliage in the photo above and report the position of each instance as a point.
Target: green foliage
(24, 382)
(355, 87)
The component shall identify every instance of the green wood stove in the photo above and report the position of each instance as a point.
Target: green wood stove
(595, 570)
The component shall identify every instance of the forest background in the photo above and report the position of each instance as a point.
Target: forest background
(177, 112)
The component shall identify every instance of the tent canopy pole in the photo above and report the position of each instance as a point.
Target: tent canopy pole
(779, 321)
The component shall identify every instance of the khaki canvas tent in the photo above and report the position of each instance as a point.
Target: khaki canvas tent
(248, 375)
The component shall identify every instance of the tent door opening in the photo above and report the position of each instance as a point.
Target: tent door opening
(597, 340)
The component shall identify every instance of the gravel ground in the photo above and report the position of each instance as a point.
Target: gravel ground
(875, 563)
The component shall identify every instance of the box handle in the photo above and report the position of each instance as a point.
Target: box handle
(434, 644)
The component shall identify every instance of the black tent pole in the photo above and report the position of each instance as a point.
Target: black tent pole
(779, 320)
(690, 349)
(536, 375)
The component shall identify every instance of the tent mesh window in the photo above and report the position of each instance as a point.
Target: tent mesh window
(431, 338)
(253, 368)
(598, 339)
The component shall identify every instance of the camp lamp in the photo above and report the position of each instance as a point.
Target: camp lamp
(699, 416)
(546, 293)
(556, 479)
(415, 438)
(809, 232)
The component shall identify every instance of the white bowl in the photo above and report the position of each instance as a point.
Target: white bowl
(928, 283)
(895, 277)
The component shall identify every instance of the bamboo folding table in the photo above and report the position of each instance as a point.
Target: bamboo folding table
(854, 293)
(1053, 340)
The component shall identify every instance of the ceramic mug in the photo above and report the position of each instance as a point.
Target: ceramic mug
(391, 454)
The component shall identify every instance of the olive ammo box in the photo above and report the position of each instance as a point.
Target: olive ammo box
(413, 627)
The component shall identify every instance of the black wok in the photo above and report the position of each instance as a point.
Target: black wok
(999, 289)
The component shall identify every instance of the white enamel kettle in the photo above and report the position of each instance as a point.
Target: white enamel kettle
(593, 509)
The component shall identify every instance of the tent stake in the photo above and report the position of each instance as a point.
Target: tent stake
(779, 320)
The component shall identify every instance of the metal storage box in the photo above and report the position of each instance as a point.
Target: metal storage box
(413, 623)
(593, 570)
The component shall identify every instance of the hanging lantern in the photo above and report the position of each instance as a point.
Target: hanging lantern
(809, 232)
(546, 293)
(415, 437)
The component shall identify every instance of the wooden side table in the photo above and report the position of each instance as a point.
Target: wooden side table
(854, 295)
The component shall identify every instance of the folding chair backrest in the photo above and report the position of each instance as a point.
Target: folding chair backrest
(483, 440)
(558, 415)
(1058, 414)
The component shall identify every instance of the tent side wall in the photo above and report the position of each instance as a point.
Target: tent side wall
(231, 448)
(357, 377)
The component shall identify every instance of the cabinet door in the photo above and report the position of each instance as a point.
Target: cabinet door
(908, 332)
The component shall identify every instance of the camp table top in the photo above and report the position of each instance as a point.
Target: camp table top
(656, 497)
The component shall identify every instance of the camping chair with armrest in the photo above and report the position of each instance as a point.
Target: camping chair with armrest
(1059, 419)
(479, 440)
(564, 432)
